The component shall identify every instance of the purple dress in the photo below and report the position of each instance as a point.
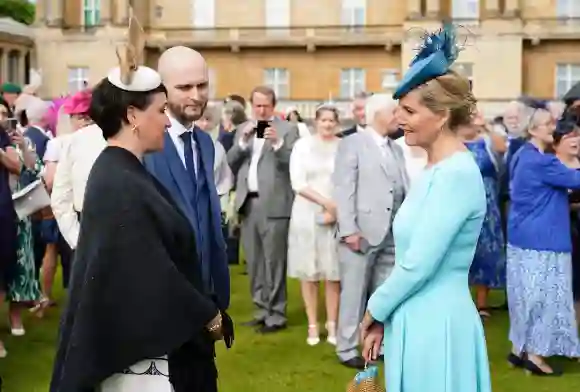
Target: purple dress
(8, 228)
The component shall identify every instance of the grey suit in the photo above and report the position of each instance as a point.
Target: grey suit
(265, 217)
(370, 185)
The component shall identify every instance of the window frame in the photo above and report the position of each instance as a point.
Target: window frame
(208, 8)
(92, 8)
(278, 79)
(79, 80)
(357, 80)
(568, 79)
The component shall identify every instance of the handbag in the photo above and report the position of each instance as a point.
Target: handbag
(30, 199)
(366, 381)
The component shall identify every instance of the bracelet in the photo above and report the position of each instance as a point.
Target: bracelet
(217, 325)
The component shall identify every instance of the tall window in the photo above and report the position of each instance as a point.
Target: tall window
(354, 13)
(465, 9)
(91, 12)
(567, 75)
(279, 80)
(568, 8)
(277, 16)
(352, 81)
(204, 13)
(78, 78)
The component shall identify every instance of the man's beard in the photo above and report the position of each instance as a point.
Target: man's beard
(184, 119)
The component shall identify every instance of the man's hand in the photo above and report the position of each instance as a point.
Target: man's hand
(353, 242)
(271, 135)
(248, 130)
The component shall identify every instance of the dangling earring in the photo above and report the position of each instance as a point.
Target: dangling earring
(135, 129)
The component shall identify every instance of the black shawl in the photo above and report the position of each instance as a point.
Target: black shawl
(136, 288)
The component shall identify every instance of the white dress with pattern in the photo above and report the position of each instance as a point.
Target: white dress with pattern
(312, 248)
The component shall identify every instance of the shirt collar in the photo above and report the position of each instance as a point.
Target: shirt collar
(177, 129)
(380, 140)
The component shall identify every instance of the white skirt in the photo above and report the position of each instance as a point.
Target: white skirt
(149, 375)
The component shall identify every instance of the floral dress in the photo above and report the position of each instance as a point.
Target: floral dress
(24, 286)
(488, 267)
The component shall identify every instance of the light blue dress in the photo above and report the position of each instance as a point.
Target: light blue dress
(434, 339)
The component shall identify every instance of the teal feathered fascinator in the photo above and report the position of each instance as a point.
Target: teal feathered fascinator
(366, 381)
(435, 56)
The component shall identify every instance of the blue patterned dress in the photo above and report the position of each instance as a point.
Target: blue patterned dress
(488, 267)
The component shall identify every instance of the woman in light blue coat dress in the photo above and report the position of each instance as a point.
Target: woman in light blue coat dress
(433, 336)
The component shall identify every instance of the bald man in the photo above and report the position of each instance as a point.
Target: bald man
(185, 165)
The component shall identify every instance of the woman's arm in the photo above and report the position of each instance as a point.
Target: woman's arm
(10, 160)
(49, 172)
(445, 209)
(298, 176)
(555, 173)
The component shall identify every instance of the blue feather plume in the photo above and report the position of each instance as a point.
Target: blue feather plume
(444, 40)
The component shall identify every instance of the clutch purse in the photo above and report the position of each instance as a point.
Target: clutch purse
(366, 381)
(30, 199)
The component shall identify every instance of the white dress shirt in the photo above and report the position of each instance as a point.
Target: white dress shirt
(257, 146)
(77, 156)
(381, 141)
(175, 132)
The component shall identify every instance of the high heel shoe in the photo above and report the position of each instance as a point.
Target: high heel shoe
(331, 332)
(516, 361)
(313, 336)
(533, 369)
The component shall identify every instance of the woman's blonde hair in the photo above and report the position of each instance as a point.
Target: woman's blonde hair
(450, 92)
(534, 120)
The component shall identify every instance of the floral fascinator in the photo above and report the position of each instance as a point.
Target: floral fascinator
(366, 381)
(436, 54)
(129, 75)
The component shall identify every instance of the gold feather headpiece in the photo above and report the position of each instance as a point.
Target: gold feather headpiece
(129, 75)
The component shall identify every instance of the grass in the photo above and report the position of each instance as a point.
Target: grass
(278, 363)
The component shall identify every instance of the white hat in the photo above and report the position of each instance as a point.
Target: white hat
(130, 76)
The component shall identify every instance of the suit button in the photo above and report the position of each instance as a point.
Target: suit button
(388, 209)
(391, 191)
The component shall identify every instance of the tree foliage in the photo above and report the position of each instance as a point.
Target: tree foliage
(20, 10)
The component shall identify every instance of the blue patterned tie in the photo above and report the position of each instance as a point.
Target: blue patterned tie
(189, 159)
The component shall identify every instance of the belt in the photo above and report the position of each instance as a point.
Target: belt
(253, 195)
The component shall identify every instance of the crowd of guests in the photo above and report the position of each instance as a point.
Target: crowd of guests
(305, 201)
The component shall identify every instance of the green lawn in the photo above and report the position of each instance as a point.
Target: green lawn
(278, 363)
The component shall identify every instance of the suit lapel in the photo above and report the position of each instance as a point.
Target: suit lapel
(177, 169)
(400, 162)
(376, 152)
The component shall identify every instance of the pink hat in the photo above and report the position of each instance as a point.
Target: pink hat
(78, 103)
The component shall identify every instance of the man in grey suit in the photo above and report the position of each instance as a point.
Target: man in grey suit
(370, 184)
(264, 200)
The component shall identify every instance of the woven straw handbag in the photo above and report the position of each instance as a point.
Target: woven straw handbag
(366, 381)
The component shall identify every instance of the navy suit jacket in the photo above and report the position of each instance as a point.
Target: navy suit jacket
(168, 168)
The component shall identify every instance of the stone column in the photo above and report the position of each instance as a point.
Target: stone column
(106, 8)
(414, 9)
(121, 12)
(512, 8)
(433, 9)
(21, 67)
(492, 8)
(55, 12)
(4, 64)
